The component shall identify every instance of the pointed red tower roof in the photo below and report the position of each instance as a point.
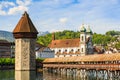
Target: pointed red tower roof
(25, 28)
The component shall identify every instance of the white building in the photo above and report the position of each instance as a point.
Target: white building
(44, 52)
(73, 47)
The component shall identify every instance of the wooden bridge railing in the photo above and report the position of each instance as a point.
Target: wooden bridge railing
(85, 66)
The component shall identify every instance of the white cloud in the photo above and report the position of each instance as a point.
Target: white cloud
(18, 9)
(55, 30)
(5, 5)
(23, 3)
(66, 14)
(14, 8)
(63, 20)
(2, 12)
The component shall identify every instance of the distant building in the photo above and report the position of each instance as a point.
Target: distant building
(6, 49)
(73, 47)
(43, 52)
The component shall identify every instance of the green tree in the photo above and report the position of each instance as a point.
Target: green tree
(112, 33)
(67, 34)
(44, 40)
(117, 45)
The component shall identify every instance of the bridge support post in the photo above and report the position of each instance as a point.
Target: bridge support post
(78, 72)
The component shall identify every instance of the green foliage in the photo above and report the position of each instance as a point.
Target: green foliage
(102, 39)
(66, 34)
(117, 45)
(7, 61)
(112, 33)
(11, 61)
(44, 40)
(40, 59)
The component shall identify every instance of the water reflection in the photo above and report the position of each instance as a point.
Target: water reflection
(86, 75)
(25, 75)
(45, 75)
(6, 75)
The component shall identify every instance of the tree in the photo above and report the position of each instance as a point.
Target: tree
(113, 33)
(117, 45)
(45, 40)
(67, 34)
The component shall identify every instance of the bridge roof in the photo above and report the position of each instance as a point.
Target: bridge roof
(87, 58)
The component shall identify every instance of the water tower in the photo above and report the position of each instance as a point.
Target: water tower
(25, 35)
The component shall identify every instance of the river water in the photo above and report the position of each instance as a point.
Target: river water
(32, 75)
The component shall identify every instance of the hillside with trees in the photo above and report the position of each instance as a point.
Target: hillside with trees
(66, 34)
(103, 39)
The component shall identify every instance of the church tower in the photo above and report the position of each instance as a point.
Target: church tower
(25, 35)
(82, 40)
(89, 32)
(89, 44)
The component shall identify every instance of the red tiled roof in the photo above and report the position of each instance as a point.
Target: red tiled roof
(64, 43)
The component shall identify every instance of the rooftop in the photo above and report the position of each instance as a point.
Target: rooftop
(87, 58)
(64, 43)
(25, 25)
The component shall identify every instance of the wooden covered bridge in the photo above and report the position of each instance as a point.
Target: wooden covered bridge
(97, 62)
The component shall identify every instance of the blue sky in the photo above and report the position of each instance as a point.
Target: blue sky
(58, 15)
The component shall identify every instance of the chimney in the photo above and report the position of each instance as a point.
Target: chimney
(53, 36)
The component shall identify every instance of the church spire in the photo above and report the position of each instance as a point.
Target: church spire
(53, 36)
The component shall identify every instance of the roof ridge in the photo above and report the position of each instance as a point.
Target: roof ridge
(67, 39)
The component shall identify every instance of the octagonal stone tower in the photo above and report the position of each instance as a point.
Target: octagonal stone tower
(25, 35)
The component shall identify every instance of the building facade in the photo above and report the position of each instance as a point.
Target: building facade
(73, 47)
(6, 49)
(44, 52)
